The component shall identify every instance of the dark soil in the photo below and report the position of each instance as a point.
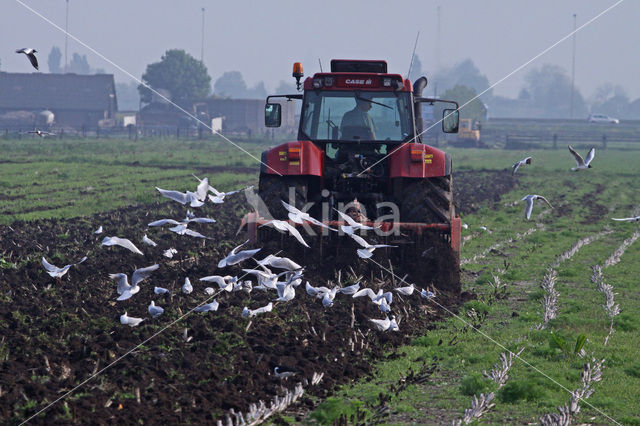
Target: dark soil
(56, 334)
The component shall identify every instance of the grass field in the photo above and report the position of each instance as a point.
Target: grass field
(434, 379)
(452, 359)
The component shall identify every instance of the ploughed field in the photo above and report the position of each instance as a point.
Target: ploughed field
(56, 334)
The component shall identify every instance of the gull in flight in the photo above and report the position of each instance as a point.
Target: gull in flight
(155, 311)
(182, 197)
(375, 297)
(30, 54)
(283, 372)
(208, 307)
(126, 290)
(582, 164)
(529, 199)
(522, 162)
(41, 133)
(405, 291)
(385, 308)
(98, 231)
(627, 219)
(248, 313)
(368, 249)
(217, 197)
(122, 242)
(169, 252)
(190, 217)
(182, 230)
(327, 299)
(279, 262)
(265, 278)
(286, 292)
(160, 290)
(284, 226)
(224, 283)
(130, 321)
(298, 216)
(148, 241)
(350, 290)
(352, 225)
(237, 256)
(187, 288)
(316, 291)
(56, 272)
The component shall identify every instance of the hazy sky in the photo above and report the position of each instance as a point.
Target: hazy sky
(263, 39)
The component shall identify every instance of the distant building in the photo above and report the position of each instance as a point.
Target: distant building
(244, 116)
(75, 100)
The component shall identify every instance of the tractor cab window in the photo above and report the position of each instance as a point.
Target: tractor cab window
(356, 116)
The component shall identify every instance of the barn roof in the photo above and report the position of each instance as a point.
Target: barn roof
(20, 91)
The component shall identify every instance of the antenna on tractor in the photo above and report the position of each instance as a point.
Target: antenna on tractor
(413, 55)
(320, 62)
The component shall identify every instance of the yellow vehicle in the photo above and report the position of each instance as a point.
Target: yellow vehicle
(469, 134)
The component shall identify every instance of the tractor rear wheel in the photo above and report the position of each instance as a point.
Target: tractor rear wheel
(274, 189)
(427, 200)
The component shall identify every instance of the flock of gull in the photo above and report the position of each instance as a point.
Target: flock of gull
(272, 274)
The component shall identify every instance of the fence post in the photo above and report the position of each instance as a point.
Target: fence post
(604, 141)
(555, 141)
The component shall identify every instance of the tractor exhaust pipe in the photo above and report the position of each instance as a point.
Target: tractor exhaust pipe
(418, 87)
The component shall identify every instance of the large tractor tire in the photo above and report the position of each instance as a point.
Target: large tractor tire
(427, 200)
(274, 189)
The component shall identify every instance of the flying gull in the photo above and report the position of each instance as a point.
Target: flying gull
(148, 241)
(122, 242)
(237, 256)
(627, 219)
(352, 225)
(56, 272)
(279, 262)
(169, 252)
(126, 290)
(522, 162)
(98, 231)
(284, 226)
(367, 250)
(529, 199)
(582, 164)
(298, 216)
(30, 54)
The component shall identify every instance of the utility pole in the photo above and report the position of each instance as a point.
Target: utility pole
(573, 65)
(202, 44)
(66, 37)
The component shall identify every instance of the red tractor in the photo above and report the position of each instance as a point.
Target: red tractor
(359, 148)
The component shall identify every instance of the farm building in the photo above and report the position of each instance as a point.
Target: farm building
(76, 101)
(237, 115)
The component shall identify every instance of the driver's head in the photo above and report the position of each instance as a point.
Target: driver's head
(363, 102)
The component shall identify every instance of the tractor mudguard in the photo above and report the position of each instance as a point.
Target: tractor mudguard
(415, 160)
(293, 159)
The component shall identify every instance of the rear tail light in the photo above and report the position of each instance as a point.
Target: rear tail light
(417, 155)
(294, 153)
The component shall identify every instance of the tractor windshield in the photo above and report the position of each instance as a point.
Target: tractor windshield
(331, 115)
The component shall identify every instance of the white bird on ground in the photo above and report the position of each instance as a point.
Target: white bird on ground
(187, 288)
(30, 54)
(246, 312)
(352, 225)
(56, 272)
(385, 308)
(237, 256)
(208, 307)
(381, 325)
(122, 242)
(286, 292)
(627, 219)
(405, 291)
(367, 250)
(160, 290)
(279, 262)
(284, 226)
(169, 252)
(582, 164)
(298, 216)
(209, 291)
(375, 297)
(427, 294)
(126, 290)
(182, 197)
(130, 321)
(393, 325)
(350, 290)
(98, 231)
(465, 226)
(517, 164)
(148, 241)
(283, 372)
(224, 283)
(155, 311)
(529, 199)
